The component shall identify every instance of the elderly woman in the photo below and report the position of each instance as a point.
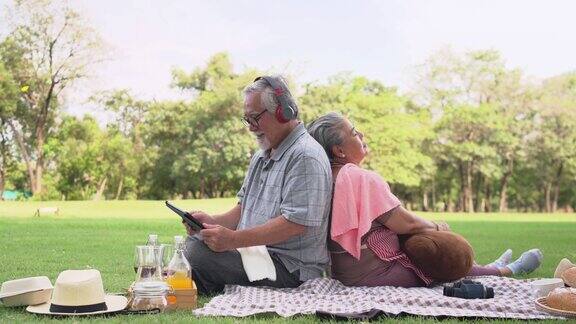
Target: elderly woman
(367, 218)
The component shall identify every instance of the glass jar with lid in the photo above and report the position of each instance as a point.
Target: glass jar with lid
(150, 296)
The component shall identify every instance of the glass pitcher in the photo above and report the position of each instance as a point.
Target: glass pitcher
(149, 263)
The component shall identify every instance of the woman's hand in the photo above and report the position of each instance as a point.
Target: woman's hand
(442, 226)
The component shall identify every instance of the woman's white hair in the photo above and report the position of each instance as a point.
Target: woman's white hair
(328, 130)
(267, 96)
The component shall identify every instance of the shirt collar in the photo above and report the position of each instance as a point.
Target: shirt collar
(296, 133)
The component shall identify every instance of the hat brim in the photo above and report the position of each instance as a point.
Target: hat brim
(113, 302)
(22, 292)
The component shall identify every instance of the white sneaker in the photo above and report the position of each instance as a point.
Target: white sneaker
(502, 260)
(527, 262)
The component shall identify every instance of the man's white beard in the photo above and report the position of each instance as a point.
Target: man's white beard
(263, 142)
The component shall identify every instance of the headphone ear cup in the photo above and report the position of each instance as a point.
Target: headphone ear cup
(280, 115)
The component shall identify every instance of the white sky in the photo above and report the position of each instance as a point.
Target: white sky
(312, 40)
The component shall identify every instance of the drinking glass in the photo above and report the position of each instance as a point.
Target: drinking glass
(167, 252)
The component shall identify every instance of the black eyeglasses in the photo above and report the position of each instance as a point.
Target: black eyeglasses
(354, 131)
(252, 121)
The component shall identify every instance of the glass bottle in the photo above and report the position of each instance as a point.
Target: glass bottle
(179, 271)
(152, 240)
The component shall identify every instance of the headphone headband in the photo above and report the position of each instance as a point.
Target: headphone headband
(286, 109)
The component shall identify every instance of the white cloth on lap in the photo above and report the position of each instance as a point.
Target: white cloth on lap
(257, 263)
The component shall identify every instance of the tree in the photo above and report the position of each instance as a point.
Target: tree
(199, 147)
(449, 81)
(8, 100)
(394, 129)
(48, 49)
(464, 139)
(81, 166)
(130, 115)
(92, 163)
(553, 144)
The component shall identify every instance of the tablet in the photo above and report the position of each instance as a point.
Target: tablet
(189, 219)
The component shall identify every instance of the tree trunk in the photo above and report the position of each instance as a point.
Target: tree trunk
(488, 194)
(462, 196)
(25, 155)
(425, 201)
(557, 187)
(503, 206)
(119, 190)
(39, 172)
(480, 201)
(470, 202)
(40, 138)
(450, 205)
(3, 174)
(466, 187)
(433, 195)
(2, 182)
(547, 204)
(202, 191)
(210, 190)
(101, 188)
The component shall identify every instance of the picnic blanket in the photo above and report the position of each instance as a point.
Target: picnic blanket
(513, 299)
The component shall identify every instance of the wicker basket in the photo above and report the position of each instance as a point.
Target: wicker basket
(543, 306)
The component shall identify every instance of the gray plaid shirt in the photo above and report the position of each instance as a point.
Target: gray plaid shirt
(295, 182)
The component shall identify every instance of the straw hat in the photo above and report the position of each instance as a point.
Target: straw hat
(26, 291)
(80, 292)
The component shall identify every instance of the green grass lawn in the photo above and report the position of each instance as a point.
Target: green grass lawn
(102, 235)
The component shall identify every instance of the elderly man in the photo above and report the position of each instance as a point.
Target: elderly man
(284, 201)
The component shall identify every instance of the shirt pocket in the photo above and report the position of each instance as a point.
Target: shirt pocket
(270, 193)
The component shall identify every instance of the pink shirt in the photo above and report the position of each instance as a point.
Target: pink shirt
(360, 196)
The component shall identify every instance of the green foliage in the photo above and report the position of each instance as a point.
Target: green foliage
(79, 155)
(8, 102)
(393, 132)
(48, 48)
(91, 163)
(473, 136)
(552, 149)
(199, 147)
(483, 115)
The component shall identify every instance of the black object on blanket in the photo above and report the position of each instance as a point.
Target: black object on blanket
(468, 289)
(369, 315)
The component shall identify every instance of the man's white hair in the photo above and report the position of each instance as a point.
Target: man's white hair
(267, 96)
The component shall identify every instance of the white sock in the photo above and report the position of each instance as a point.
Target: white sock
(527, 262)
(503, 260)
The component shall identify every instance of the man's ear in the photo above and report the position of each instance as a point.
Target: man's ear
(337, 151)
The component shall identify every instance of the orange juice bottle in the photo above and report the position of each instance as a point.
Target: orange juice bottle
(179, 280)
(179, 270)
